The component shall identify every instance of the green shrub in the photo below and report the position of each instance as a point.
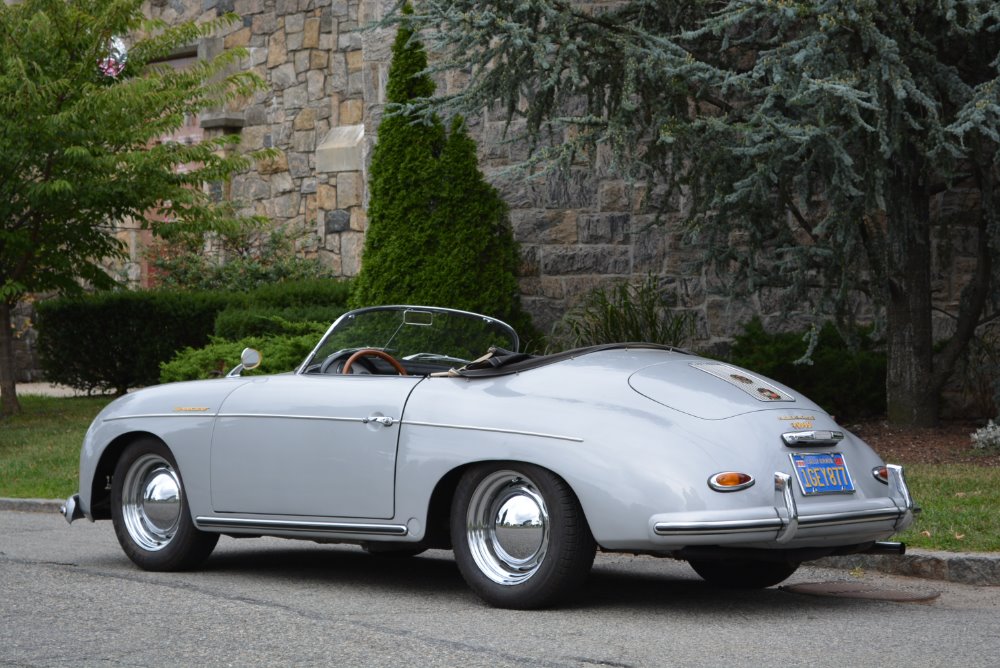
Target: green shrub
(117, 340)
(280, 354)
(238, 323)
(846, 381)
(438, 233)
(621, 313)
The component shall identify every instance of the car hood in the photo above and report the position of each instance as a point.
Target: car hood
(713, 390)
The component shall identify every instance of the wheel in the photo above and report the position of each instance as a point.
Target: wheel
(744, 573)
(520, 537)
(372, 352)
(150, 512)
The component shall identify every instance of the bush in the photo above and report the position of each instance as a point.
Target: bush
(847, 382)
(116, 340)
(622, 313)
(280, 354)
(238, 323)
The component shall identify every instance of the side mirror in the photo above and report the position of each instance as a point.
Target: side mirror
(249, 359)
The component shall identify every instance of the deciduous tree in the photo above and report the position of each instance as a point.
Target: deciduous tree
(79, 123)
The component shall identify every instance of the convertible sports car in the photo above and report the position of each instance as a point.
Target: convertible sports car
(396, 433)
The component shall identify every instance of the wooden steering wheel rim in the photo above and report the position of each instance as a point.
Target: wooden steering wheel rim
(365, 352)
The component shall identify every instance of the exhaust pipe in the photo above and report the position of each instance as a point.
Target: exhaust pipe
(886, 547)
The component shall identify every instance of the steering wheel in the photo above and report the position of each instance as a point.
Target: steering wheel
(372, 352)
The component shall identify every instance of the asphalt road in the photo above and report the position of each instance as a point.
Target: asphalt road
(69, 597)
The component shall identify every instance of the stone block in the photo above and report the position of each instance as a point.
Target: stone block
(315, 83)
(326, 196)
(318, 59)
(308, 187)
(359, 219)
(305, 119)
(351, 246)
(277, 51)
(301, 60)
(341, 150)
(604, 228)
(602, 260)
(349, 189)
(238, 39)
(304, 141)
(281, 183)
(264, 24)
(298, 165)
(294, 41)
(283, 76)
(296, 97)
(294, 22)
(338, 220)
(310, 33)
(351, 112)
(273, 165)
(354, 61)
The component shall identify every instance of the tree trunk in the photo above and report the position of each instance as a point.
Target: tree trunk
(9, 404)
(911, 396)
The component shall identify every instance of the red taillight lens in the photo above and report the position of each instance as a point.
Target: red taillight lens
(730, 481)
(881, 473)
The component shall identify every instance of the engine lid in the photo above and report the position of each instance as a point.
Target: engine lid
(711, 390)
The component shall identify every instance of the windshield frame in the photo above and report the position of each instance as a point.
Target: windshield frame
(402, 308)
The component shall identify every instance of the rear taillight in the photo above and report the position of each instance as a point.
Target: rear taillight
(730, 481)
(881, 473)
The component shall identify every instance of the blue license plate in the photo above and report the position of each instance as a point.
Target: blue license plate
(822, 473)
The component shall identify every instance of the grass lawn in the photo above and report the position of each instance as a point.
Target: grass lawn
(40, 457)
(40, 449)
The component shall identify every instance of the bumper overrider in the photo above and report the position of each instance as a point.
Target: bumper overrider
(71, 509)
(783, 522)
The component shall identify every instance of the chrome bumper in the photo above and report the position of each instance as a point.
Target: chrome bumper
(788, 521)
(71, 509)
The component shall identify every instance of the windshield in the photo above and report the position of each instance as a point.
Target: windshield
(433, 337)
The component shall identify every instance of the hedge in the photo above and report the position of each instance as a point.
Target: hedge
(118, 340)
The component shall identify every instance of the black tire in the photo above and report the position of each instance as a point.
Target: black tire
(744, 573)
(150, 511)
(539, 556)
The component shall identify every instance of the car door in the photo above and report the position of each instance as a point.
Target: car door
(310, 445)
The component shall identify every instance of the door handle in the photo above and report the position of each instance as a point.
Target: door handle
(383, 420)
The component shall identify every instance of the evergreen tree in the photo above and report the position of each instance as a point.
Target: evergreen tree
(79, 120)
(438, 233)
(812, 140)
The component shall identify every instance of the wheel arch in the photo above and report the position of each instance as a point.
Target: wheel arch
(438, 534)
(100, 491)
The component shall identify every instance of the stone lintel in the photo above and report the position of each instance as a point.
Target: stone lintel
(340, 150)
(221, 119)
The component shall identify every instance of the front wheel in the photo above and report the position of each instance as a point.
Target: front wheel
(520, 537)
(150, 512)
(744, 573)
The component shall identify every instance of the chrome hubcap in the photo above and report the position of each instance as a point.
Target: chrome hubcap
(508, 527)
(151, 502)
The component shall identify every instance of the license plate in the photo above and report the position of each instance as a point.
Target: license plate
(822, 473)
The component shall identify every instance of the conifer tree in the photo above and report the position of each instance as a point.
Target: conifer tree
(812, 141)
(438, 233)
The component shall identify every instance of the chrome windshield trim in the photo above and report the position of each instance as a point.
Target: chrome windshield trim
(301, 526)
(495, 430)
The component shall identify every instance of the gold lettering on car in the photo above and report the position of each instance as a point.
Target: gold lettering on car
(802, 425)
(190, 409)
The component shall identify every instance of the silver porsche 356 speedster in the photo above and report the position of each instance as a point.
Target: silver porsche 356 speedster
(399, 434)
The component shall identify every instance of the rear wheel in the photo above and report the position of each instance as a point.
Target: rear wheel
(520, 537)
(150, 512)
(744, 573)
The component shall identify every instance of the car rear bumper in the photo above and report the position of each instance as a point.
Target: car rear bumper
(71, 509)
(783, 524)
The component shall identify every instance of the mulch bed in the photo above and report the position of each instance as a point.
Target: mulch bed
(948, 443)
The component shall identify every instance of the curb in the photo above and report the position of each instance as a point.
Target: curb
(970, 568)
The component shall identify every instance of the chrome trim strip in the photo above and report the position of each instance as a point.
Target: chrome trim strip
(495, 430)
(720, 527)
(181, 414)
(291, 417)
(750, 526)
(290, 525)
(899, 492)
